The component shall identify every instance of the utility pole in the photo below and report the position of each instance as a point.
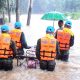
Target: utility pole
(17, 10)
(29, 12)
(8, 8)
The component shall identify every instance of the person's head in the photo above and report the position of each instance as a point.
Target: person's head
(5, 28)
(60, 23)
(68, 24)
(50, 30)
(17, 25)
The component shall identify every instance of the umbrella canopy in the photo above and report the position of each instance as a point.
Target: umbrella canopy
(54, 16)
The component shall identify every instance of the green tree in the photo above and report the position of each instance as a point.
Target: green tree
(2, 4)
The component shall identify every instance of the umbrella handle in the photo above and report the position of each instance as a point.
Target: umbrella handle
(53, 23)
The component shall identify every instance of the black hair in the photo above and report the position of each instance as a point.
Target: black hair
(18, 28)
(4, 31)
(60, 21)
(67, 26)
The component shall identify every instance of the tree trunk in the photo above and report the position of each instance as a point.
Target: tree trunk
(29, 13)
(8, 8)
(3, 17)
(17, 10)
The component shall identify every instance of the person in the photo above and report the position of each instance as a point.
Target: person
(60, 24)
(46, 50)
(18, 36)
(66, 40)
(7, 49)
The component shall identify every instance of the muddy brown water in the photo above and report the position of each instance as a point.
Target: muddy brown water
(63, 70)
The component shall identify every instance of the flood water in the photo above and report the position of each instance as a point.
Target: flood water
(63, 70)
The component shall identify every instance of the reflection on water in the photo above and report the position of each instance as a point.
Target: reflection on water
(63, 71)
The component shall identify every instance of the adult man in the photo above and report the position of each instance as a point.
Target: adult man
(7, 49)
(60, 24)
(18, 36)
(46, 50)
(66, 40)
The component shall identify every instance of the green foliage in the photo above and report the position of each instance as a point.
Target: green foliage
(42, 6)
(74, 15)
(6, 20)
(2, 4)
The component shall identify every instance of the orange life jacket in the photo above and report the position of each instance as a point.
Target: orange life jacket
(48, 49)
(16, 35)
(5, 50)
(64, 39)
